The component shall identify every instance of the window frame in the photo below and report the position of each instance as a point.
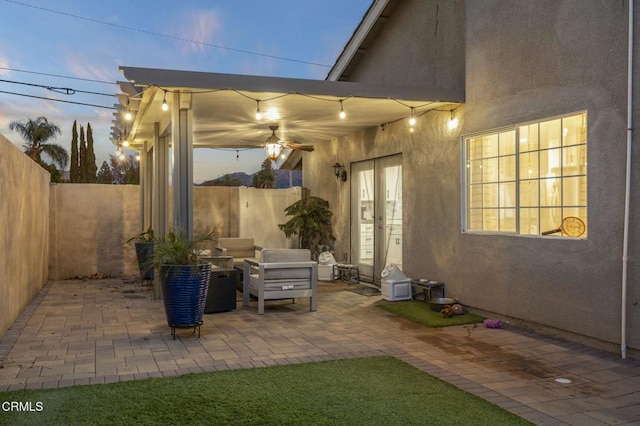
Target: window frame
(516, 129)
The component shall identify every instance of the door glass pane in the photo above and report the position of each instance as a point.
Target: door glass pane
(475, 196)
(529, 165)
(507, 194)
(508, 168)
(490, 195)
(528, 137)
(365, 220)
(490, 146)
(475, 171)
(393, 215)
(490, 220)
(507, 143)
(490, 170)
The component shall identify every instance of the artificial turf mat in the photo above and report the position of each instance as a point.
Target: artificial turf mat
(421, 312)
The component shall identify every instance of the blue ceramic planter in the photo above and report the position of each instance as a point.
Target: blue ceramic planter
(144, 251)
(185, 294)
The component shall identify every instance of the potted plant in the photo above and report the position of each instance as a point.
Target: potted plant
(184, 276)
(310, 222)
(143, 243)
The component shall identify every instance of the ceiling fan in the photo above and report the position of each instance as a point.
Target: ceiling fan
(286, 144)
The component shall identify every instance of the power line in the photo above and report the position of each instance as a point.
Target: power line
(62, 90)
(167, 36)
(57, 100)
(57, 75)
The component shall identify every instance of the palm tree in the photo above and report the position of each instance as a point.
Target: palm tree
(37, 133)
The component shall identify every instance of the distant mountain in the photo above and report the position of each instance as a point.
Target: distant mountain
(242, 179)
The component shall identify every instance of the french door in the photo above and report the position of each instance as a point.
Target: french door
(376, 215)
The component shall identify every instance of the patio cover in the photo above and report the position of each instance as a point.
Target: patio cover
(218, 111)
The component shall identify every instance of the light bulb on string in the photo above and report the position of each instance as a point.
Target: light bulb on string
(137, 156)
(412, 119)
(127, 115)
(342, 113)
(258, 112)
(165, 106)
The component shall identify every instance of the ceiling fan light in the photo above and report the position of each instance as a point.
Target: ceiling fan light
(273, 150)
(272, 145)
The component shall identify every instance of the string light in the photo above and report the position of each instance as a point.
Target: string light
(412, 119)
(258, 113)
(127, 115)
(272, 113)
(137, 156)
(164, 102)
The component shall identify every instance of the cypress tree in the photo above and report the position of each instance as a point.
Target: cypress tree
(73, 171)
(91, 168)
(83, 157)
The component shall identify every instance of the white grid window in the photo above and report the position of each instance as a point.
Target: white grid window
(530, 179)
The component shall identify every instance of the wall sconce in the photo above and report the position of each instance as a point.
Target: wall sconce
(340, 172)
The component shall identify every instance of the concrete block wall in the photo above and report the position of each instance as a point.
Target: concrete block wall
(24, 231)
(90, 223)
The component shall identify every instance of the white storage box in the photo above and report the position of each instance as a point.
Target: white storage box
(396, 290)
(325, 266)
(325, 272)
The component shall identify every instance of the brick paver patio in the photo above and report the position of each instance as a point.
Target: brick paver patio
(99, 331)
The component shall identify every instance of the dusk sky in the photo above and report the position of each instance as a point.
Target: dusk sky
(79, 45)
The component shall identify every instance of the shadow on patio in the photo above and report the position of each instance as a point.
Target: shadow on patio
(99, 331)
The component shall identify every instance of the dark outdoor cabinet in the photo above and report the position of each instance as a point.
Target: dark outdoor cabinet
(222, 292)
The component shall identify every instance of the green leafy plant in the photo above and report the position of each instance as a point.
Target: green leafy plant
(178, 248)
(310, 222)
(147, 236)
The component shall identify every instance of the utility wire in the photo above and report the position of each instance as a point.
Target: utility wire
(57, 100)
(62, 90)
(187, 40)
(57, 75)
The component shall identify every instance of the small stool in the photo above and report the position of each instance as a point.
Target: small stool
(345, 272)
(427, 287)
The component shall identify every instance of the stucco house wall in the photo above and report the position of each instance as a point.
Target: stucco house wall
(24, 231)
(523, 61)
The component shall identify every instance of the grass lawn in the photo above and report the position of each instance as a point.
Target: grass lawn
(363, 391)
(421, 312)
